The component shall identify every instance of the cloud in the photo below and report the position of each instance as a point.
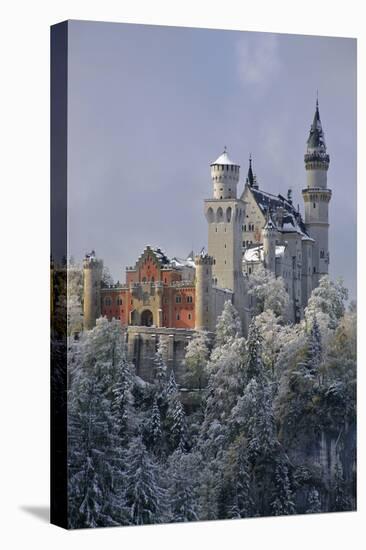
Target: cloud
(258, 60)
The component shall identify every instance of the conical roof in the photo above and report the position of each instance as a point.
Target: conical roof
(224, 159)
(250, 176)
(316, 138)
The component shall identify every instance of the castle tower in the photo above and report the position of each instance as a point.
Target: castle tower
(317, 196)
(225, 216)
(203, 307)
(92, 282)
(269, 235)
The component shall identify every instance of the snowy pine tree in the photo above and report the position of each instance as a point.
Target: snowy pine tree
(313, 502)
(283, 501)
(183, 472)
(228, 325)
(154, 434)
(159, 366)
(196, 358)
(145, 494)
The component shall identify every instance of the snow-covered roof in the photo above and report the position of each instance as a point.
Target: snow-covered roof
(224, 159)
(255, 253)
(292, 220)
(180, 262)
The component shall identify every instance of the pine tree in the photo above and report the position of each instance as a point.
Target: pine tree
(243, 505)
(254, 367)
(99, 406)
(154, 436)
(159, 366)
(196, 358)
(228, 325)
(314, 503)
(145, 495)
(175, 416)
(282, 503)
(122, 403)
(183, 472)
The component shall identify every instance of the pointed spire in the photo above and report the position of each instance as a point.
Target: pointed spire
(250, 176)
(316, 139)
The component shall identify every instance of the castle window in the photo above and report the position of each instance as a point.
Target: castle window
(322, 253)
(119, 301)
(178, 299)
(189, 316)
(250, 271)
(314, 269)
(314, 205)
(178, 317)
(245, 227)
(189, 299)
(107, 301)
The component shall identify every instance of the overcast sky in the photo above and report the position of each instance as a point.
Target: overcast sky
(150, 107)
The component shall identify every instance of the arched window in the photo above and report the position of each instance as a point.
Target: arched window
(210, 215)
(107, 301)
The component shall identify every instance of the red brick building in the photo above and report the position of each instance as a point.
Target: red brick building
(157, 292)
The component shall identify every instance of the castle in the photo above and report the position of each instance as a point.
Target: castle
(170, 298)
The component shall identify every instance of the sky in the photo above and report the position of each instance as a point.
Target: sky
(150, 108)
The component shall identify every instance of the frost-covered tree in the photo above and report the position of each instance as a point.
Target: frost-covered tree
(253, 366)
(313, 502)
(274, 336)
(225, 385)
(154, 432)
(242, 505)
(159, 367)
(196, 359)
(145, 493)
(268, 293)
(107, 279)
(283, 498)
(176, 422)
(183, 472)
(228, 325)
(327, 302)
(99, 411)
(122, 401)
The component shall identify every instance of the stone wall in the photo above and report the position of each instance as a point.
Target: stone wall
(142, 343)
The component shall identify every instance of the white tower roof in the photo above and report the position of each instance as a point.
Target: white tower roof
(224, 159)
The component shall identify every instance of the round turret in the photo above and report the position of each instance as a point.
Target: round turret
(225, 177)
(204, 264)
(92, 283)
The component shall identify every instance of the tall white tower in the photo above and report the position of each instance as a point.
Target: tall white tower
(316, 197)
(225, 216)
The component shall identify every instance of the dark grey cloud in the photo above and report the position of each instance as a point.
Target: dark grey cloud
(151, 107)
